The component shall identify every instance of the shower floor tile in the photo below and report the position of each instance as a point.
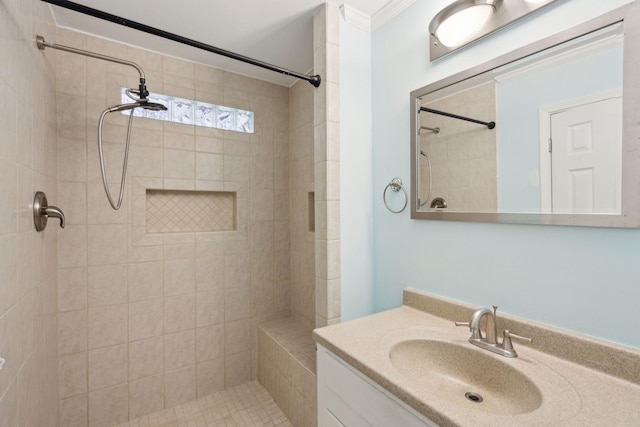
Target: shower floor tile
(247, 405)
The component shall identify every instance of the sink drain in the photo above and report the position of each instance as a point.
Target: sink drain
(474, 397)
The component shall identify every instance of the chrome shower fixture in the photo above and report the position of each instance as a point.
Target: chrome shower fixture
(139, 98)
(142, 91)
(432, 130)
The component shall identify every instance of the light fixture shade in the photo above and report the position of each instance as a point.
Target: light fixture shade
(459, 22)
(465, 21)
(462, 26)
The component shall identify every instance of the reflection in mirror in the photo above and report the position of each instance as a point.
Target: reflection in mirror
(557, 143)
(557, 147)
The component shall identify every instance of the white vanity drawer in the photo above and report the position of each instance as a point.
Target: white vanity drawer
(353, 400)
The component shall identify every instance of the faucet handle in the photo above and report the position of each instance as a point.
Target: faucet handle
(463, 324)
(506, 340)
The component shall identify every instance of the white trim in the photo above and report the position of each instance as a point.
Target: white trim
(544, 121)
(356, 17)
(384, 15)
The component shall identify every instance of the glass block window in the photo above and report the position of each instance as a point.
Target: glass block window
(191, 112)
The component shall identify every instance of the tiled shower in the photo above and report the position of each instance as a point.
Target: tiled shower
(112, 319)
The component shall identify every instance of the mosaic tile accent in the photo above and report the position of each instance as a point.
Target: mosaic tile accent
(245, 405)
(180, 211)
(191, 112)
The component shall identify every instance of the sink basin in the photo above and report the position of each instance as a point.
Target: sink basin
(465, 376)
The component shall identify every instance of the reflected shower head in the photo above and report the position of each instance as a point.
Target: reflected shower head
(154, 106)
(432, 130)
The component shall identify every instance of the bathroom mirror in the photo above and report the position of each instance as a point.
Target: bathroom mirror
(546, 134)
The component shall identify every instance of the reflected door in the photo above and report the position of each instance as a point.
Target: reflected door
(585, 149)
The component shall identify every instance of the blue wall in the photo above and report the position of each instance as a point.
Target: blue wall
(584, 279)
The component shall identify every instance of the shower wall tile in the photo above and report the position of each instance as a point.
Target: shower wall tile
(71, 71)
(209, 308)
(326, 119)
(179, 350)
(237, 336)
(73, 374)
(72, 289)
(107, 285)
(180, 386)
(146, 357)
(72, 331)
(210, 272)
(73, 411)
(107, 325)
(145, 161)
(107, 367)
(298, 237)
(29, 385)
(109, 406)
(73, 196)
(179, 313)
(178, 141)
(145, 280)
(237, 368)
(210, 376)
(107, 244)
(179, 276)
(146, 396)
(178, 310)
(145, 319)
(210, 342)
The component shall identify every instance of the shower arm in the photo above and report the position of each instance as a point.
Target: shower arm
(42, 44)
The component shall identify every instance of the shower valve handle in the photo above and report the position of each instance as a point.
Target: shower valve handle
(42, 211)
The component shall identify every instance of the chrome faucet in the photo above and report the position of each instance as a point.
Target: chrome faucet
(474, 325)
(490, 342)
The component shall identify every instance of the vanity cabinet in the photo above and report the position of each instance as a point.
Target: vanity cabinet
(348, 398)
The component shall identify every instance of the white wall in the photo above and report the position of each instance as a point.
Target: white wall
(356, 218)
(585, 279)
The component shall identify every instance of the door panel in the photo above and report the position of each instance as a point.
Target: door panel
(586, 158)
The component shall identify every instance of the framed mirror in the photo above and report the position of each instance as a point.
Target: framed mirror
(546, 134)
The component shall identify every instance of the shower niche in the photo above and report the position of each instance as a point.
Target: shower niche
(182, 211)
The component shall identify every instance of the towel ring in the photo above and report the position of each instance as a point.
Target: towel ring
(396, 185)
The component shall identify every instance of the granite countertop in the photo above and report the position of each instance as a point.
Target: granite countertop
(587, 382)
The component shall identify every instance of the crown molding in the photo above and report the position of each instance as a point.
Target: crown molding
(384, 15)
(356, 17)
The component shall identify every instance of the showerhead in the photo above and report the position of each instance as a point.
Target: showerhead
(154, 106)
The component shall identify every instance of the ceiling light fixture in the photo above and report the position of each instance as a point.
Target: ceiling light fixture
(464, 21)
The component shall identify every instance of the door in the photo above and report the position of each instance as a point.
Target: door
(586, 152)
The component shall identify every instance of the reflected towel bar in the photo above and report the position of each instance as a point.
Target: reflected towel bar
(489, 125)
(314, 80)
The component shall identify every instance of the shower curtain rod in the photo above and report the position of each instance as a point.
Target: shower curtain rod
(490, 125)
(314, 80)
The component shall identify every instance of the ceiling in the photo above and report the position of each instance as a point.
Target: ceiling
(278, 32)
